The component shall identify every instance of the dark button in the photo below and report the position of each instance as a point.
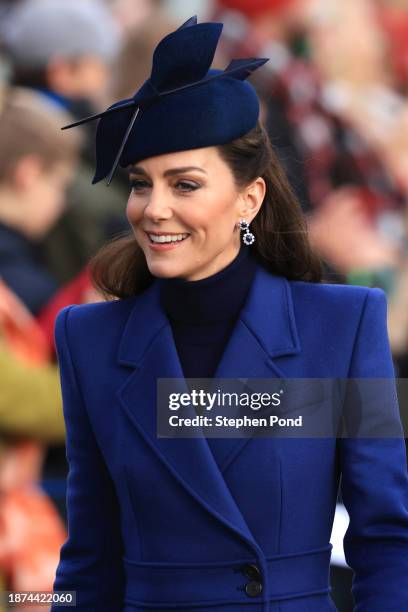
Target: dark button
(253, 588)
(252, 571)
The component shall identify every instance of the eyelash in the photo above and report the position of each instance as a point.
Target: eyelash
(136, 185)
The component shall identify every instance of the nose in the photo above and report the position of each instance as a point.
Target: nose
(157, 207)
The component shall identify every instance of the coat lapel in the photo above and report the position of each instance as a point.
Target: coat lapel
(265, 330)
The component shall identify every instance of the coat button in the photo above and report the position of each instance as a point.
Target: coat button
(252, 571)
(253, 588)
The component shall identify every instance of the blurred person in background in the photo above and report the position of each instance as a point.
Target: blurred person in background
(133, 64)
(393, 18)
(33, 408)
(30, 402)
(371, 94)
(364, 93)
(396, 155)
(64, 50)
(134, 15)
(36, 165)
(31, 530)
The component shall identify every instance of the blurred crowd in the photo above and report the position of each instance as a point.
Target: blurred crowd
(334, 99)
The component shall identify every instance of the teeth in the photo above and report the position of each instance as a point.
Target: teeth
(167, 238)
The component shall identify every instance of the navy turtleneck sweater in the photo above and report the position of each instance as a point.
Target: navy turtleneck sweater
(202, 313)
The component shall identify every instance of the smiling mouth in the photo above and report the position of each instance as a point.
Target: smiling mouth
(166, 238)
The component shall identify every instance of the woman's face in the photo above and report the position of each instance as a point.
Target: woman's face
(189, 195)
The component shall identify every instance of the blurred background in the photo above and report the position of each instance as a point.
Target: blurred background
(335, 103)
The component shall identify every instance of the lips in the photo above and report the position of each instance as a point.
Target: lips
(166, 237)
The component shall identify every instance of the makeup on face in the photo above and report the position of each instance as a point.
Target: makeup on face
(182, 209)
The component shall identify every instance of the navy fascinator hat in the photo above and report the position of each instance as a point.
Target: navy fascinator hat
(182, 105)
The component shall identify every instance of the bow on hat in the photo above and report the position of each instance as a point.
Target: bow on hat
(182, 105)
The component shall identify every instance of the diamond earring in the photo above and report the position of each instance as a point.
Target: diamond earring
(248, 237)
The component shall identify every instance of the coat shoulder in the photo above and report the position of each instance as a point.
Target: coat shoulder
(96, 320)
(329, 294)
(337, 305)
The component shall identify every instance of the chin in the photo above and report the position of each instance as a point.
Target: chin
(165, 270)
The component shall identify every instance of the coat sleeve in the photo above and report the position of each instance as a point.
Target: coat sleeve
(374, 482)
(91, 557)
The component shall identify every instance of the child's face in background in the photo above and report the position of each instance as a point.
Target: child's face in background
(43, 197)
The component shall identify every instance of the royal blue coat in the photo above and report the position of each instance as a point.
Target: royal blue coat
(159, 523)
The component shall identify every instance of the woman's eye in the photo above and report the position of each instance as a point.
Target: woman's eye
(187, 186)
(184, 186)
(138, 185)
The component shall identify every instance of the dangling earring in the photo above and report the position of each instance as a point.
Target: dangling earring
(248, 236)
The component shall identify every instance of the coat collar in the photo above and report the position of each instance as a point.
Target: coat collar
(265, 330)
(267, 315)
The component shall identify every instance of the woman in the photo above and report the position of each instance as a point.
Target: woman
(194, 523)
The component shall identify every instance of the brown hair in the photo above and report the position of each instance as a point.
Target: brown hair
(30, 124)
(281, 244)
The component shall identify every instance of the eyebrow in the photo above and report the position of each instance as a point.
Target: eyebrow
(170, 172)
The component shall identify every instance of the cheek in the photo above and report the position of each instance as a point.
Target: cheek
(133, 209)
(93, 77)
(218, 216)
(51, 198)
(52, 205)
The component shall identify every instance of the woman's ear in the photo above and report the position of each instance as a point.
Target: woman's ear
(251, 199)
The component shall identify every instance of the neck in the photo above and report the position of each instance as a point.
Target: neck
(218, 263)
(213, 298)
